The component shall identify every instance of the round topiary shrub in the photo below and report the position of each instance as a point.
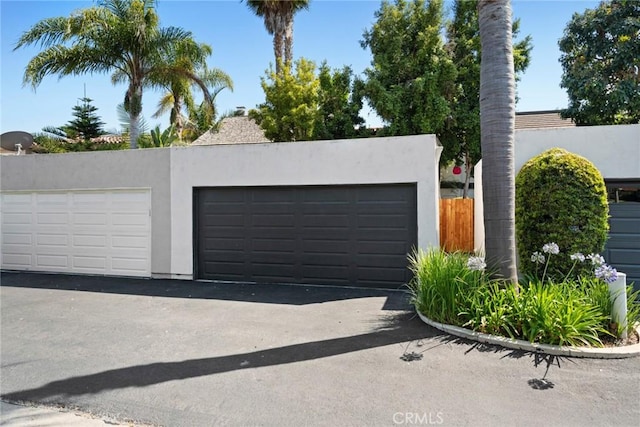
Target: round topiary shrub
(560, 197)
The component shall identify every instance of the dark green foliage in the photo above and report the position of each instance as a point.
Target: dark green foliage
(87, 123)
(561, 198)
(600, 59)
(411, 80)
(339, 104)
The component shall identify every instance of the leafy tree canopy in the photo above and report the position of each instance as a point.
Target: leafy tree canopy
(291, 102)
(411, 79)
(601, 60)
(340, 98)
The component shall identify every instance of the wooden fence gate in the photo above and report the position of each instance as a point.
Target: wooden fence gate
(456, 225)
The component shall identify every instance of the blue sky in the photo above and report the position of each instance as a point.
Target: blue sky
(330, 30)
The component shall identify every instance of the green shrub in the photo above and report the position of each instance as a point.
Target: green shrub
(571, 312)
(560, 197)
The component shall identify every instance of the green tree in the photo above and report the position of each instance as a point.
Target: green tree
(600, 61)
(87, 123)
(340, 98)
(179, 96)
(411, 80)
(118, 36)
(291, 103)
(460, 137)
(278, 20)
(497, 127)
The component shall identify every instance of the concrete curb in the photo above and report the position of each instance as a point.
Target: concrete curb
(555, 350)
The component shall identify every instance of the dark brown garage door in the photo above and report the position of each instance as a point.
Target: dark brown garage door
(334, 235)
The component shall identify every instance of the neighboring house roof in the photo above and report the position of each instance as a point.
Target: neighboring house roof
(541, 119)
(108, 139)
(234, 130)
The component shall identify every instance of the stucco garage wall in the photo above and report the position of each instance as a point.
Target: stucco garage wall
(357, 161)
(102, 170)
(171, 174)
(614, 150)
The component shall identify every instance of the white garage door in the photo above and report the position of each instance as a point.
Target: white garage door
(95, 232)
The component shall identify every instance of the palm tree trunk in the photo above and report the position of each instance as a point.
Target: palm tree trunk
(134, 130)
(133, 104)
(288, 38)
(279, 41)
(178, 121)
(497, 125)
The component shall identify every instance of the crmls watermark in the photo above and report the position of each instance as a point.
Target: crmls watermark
(415, 418)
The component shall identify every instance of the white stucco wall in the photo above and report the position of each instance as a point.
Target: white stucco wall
(614, 150)
(172, 173)
(101, 170)
(410, 159)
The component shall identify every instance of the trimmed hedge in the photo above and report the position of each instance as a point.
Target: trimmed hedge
(560, 197)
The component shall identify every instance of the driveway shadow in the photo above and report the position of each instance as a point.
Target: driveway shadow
(171, 288)
(398, 328)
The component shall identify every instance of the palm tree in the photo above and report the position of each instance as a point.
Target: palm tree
(278, 20)
(497, 125)
(122, 37)
(179, 95)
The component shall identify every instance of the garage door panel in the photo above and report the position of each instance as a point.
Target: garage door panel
(380, 260)
(381, 247)
(53, 239)
(17, 261)
(129, 264)
(318, 274)
(270, 196)
(129, 220)
(72, 231)
(326, 220)
(286, 233)
(90, 241)
(624, 225)
(326, 233)
(15, 218)
(225, 219)
(17, 239)
(622, 256)
(327, 259)
(217, 243)
(327, 246)
(8, 248)
(133, 241)
(378, 234)
(272, 257)
(285, 220)
(57, 219)
(95, 263)
(44, 260)
(275, 245)
(348, 235)
(624, 241)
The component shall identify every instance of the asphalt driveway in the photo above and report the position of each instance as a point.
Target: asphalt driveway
(181, 353)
